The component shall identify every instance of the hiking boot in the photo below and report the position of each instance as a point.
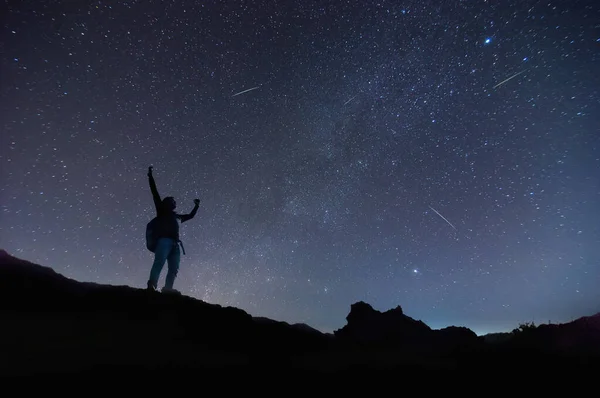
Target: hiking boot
(170, 290)
(151, 287)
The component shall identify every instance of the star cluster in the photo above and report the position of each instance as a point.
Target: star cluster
(441, 156)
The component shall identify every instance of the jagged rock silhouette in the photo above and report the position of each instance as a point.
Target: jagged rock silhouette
(367, 326)
(55, 325)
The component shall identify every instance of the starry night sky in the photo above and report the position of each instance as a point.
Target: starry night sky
(382, 154)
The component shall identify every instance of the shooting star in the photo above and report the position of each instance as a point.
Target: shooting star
(510, 78)
(443, 218)
(245, 91)
(347, 102)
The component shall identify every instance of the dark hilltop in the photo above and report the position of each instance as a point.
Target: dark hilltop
(53, 326)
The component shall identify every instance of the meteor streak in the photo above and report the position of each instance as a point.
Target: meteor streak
(510, 78)
(245, 91)
(443, 218)
(346, 103)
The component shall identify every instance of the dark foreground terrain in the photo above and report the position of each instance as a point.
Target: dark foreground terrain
(52, 326)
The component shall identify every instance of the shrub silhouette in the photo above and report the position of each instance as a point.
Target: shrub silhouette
(524, 328)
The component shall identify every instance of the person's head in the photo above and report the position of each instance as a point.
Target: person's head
(169, 203)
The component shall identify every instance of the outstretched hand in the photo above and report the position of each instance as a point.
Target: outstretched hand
(196, 202)
(150, 171)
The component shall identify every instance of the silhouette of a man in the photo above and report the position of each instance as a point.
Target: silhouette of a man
(167, 234)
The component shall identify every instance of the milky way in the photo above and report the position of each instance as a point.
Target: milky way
(319, 136)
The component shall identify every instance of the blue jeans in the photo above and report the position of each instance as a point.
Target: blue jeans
(166, 250)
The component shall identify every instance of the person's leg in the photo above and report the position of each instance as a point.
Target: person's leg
(173, 266)
(163, 248)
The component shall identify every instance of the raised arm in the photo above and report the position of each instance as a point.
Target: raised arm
(186, 217)
(155, 195)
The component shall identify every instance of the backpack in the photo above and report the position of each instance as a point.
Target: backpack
(151, 238)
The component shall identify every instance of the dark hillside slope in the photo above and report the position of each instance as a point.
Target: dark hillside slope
(54, 325)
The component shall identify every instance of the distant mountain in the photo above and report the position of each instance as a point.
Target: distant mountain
(580, 336)
(297, 326)
(498, 337)
(55, 325)
(367, 327)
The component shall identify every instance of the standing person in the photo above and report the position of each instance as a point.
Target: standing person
(165, 240)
